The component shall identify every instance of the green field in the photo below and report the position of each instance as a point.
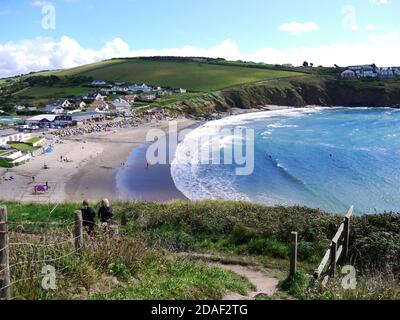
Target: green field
(53, 92)
(189, 75)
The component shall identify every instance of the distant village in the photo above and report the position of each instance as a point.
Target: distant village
(66, 112)
(110, 100)
(371, 71)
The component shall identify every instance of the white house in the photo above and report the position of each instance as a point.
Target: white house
(180, 90)
(140, 87)
(348, 74)
(80, 105)
(121, 107)
(365, 71)
(98, 83)
(130, 98)
(99, 97)
(54, 109)
(20, 108)
(119, 89)
(386, 73)
(58, 106)
(99, 106)
(148, 97)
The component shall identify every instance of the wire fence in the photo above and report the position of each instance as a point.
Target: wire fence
(24, 255)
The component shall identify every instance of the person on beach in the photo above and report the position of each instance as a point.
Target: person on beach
(88, 217)
(106, 214)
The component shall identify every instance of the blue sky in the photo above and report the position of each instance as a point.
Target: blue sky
(263, 30)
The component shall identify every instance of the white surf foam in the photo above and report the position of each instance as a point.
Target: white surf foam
(186, 171)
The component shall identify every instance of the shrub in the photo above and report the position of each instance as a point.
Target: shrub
(296, 284)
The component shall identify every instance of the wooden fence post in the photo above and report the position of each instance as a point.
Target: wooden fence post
(78, 233)
(5, 294)
(293, 253)
(333, 259)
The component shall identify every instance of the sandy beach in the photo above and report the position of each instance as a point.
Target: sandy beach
(95, 160)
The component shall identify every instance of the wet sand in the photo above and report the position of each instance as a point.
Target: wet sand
(97, 179)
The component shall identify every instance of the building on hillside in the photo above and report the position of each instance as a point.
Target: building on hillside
(99, 106)
(148, 97)
(130, 98)
(106, 91)
(163, 93)
(98, 83)
(121, 107)
(94, 96)
(139, 88)
(58, 107)
(54, 109)
(120, 100)
(348, 74)
(365, 71)
(80, 105)
(180, 90)
(20, 108)
(99, 97)
(386, 73)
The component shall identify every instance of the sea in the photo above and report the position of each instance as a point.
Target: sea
(325, 158)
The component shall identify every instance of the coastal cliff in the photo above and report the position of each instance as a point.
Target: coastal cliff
(298, 92)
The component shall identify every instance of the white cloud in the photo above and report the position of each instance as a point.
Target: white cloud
(391, 36)
(44, 53)
(379, 2)
(40, 3)
(370, 27)
(297, 28)
(349, 18)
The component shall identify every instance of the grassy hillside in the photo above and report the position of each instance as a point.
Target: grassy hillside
(236, 232)
(37, 93)
(190, 75)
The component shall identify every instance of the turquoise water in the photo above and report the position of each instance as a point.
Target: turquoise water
(323, 158)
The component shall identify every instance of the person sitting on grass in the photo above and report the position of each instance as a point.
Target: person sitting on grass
(88, 217)
(106, 214)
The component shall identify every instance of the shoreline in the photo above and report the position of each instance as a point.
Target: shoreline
(96, 159)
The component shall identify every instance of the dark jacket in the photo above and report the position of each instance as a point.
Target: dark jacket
(106, 214)
(88, 216)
